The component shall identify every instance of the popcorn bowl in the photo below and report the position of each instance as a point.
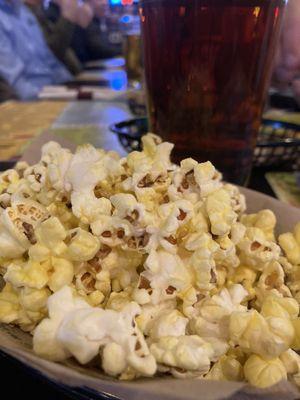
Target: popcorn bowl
(17, 344)
(137, 267)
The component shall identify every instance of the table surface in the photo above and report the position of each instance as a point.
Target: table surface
(20, 122)
(79, 121)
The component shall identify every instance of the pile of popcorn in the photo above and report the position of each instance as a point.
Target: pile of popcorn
(147, 267)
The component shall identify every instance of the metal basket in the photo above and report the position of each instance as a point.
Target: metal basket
(278, 145)
(278, 142)
(130, 132)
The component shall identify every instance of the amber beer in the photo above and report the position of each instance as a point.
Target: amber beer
(208, 65)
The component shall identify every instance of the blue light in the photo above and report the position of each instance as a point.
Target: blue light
(125, 19)
(115, 2)
(116, 78)
(119, 80)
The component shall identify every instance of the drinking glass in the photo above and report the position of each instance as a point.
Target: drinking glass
(208, 65)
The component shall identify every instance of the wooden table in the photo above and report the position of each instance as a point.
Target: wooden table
(21, 122)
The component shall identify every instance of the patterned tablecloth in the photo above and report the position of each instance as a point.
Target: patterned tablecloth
(21, 122)
(78, 121)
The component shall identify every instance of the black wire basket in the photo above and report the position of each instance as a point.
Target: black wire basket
(278, 142)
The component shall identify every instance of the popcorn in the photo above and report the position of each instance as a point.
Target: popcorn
(238, 201)
(57, 161)
(32, 275)
(214, 313)
(39, 253)
(95, 298)
(264, 220)
(263, 373)
(228, 368)
(18, 192)
(246, 277)
(9, 305)
(83, 245)
(202, 260)
(199, 221)
(226, 253)
(225, 302)
(297, 232)
(36, 177)
(189, 299)
(17, 225)
(173, 215)
(267, 337)
(125, 205)
(207, 178)
(157, 150)
(293, 278)
(45, 341)
(272, 281)
(220, 212)
(88, 167)
(296, 342)
(146, 266)
(34, 299)
(168, 324)
(237, 232)
(166, 274)
(25, 307)
(51, 234)
(118, 301)
(290, 243)
(256, 251)
(189, 353)
(5, 201)
(80, 330)
(62, 211)
(114, 359)
(274, 306)
(8, 180)
(62, 275)
(291, 362)
(20, 167)
(151, 313)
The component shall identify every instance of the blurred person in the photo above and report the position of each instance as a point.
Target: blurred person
(59, 33)
(26, 62)
(287, 70)
(90, 42)
(93, 42)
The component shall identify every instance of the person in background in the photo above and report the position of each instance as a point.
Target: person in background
(94, 42)
(26, 62)
(89, 42)
(287, 71)
(59, 33)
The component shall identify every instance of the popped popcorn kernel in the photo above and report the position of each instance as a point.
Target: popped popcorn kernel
(290, 243)
(263, 373)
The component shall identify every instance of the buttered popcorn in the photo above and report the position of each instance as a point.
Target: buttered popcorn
(147, 267)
